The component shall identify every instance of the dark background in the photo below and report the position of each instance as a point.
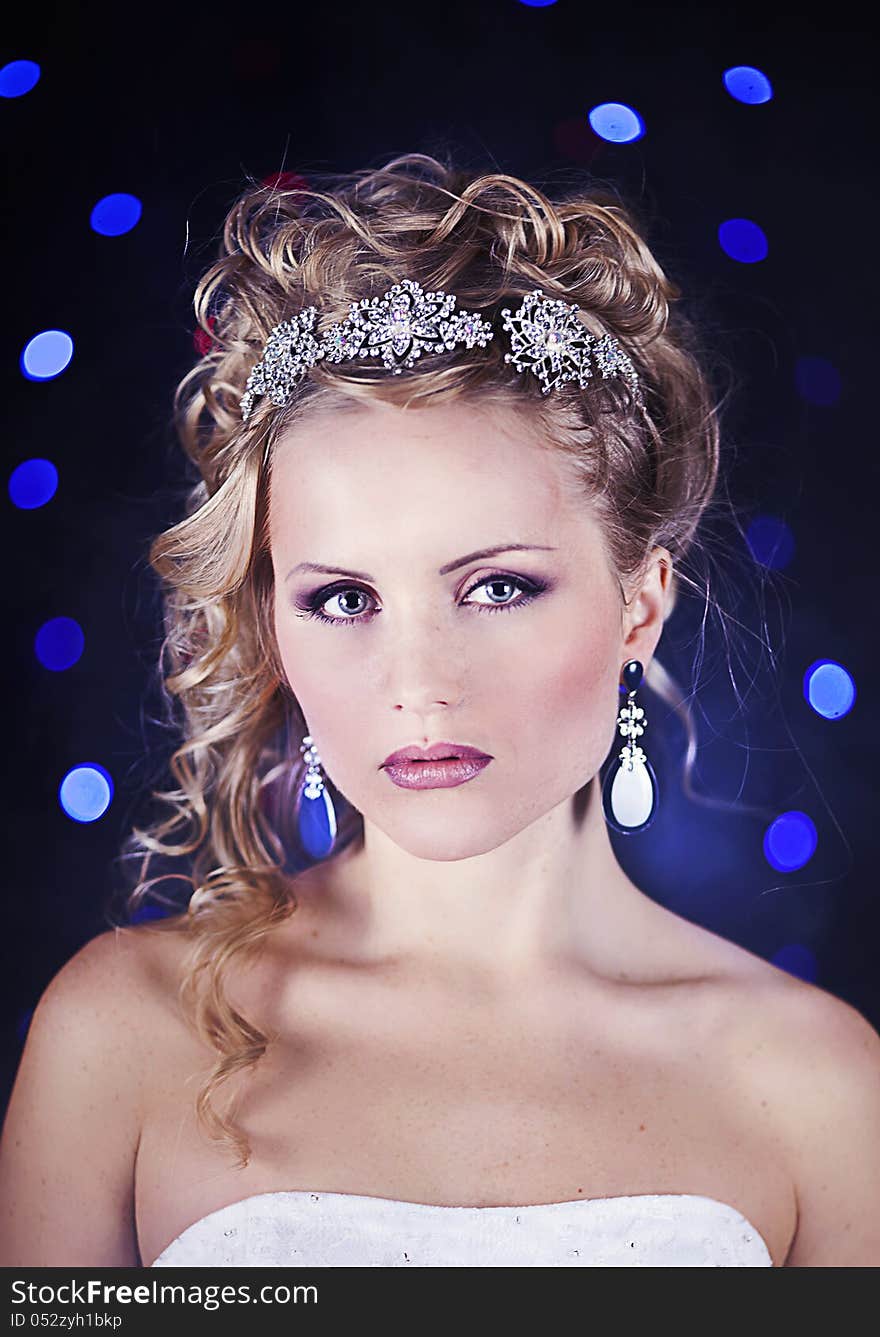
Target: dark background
(180, 106)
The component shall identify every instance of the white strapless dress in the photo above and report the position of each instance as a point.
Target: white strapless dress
(298, 1228)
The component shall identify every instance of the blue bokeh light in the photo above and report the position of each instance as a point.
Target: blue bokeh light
(46, 355)
(797, 960)
(790, 841)
(32, 483)
(817, 380)
(747, 84)
(743, 240)
(145, 912)
(86, 792)
(829, 689)
(18, 77)
(59, 643)
(23, 1024)
(616, 122)
(116, 214)
(537, 4)
(770, 541)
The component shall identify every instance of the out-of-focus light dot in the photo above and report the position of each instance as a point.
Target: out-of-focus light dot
(829, 688)
(22, 1026)
(18, 77)
(115, 214)
(817, 380)
(32, 483)
(85, 792)
(144, 912)
(616, 122)
(59, 643)
(743, 240)
(46, 355)
(747, 84)
(790, 841)
(770, 541)
(797, 960)
(537, 4)
(285, 181)
(202, 342)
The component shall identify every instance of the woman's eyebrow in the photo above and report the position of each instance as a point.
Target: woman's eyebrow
(443, 571)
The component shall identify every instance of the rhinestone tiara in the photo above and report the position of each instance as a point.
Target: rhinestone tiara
(547, 338)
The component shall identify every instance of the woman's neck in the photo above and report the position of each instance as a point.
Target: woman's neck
(552, 895)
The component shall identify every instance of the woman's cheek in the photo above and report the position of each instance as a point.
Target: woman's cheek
(574, 691)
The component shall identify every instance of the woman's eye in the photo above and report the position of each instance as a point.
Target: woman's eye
(342, 599)
(498, 589)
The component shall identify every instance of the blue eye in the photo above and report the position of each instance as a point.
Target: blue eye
(313, 605)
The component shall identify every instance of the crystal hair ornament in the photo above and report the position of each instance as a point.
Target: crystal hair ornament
(547, 339)
(290, 351)
(550, 340)
(401, 325)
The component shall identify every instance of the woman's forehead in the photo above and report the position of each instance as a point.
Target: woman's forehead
(438, 455)
(366, 501)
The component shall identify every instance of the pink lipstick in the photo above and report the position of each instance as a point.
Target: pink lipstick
(440, 766)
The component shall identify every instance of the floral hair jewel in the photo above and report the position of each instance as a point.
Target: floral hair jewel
(550, 340)
(546, 335)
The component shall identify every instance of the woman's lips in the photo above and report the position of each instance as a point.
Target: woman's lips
(439, 774)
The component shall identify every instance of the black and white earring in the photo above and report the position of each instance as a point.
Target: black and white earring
(316, 816)
(629, 794)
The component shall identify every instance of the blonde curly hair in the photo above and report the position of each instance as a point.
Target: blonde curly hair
(650, 476)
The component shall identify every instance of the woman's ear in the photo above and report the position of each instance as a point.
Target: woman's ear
(649, 607)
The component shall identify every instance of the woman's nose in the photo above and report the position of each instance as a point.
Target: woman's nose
(424, 668)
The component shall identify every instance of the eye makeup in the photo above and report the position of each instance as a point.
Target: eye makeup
(312, 604)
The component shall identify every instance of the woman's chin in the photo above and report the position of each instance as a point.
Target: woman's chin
(445, 840)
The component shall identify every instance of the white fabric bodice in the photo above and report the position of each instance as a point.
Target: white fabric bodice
(299, 1228)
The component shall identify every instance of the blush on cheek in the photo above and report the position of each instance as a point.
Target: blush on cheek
(334, 711)
(579, 693)
(576, 674)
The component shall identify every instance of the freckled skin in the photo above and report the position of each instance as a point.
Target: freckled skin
(397, 494)
(473, 1005)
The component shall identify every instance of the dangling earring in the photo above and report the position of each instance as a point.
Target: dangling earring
(629, 795)
(316, 816)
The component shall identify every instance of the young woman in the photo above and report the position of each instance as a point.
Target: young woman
(452, 447)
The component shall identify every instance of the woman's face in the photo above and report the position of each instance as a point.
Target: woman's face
(517, 654)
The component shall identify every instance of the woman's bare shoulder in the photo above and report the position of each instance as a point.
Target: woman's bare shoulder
(809, 1063)
(770, 1014)
(128, 969)
(153, 943)
(107, 966)
(797, 1036)
(767, 1017)
(75, 1113)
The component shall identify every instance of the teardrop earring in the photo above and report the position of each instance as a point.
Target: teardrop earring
(316, 816)
(629, 795)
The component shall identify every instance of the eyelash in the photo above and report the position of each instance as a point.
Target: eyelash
(312, 608)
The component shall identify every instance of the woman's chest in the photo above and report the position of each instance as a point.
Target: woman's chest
(464, 1109)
